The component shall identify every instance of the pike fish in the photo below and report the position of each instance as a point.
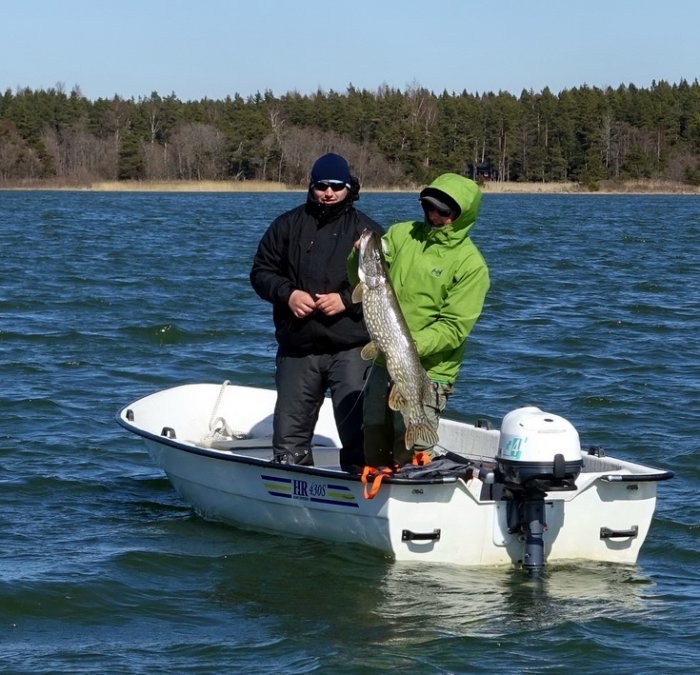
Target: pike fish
(390, 336)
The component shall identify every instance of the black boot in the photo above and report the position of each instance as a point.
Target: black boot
(378, 446)
(352, 459)
(301, 456)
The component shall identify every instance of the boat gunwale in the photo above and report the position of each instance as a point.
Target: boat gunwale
(650, 474)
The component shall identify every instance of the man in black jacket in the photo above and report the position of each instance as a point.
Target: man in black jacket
(300, 267)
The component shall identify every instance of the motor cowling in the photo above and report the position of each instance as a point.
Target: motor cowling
(538, 451)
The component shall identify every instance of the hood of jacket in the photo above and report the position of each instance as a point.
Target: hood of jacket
(467, 194)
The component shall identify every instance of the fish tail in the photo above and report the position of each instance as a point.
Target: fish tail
(420, 433)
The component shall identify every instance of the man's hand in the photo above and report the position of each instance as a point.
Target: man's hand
(301, 304)
(330, 303)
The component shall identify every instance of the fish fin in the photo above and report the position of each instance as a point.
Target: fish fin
(428, 391)
(421, 434)
(396, 399)
(357, 293)
(370, 351)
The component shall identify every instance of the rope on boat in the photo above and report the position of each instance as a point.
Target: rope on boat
(219, 429)
(213, 419)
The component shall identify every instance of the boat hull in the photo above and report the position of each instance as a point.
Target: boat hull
(451, 520)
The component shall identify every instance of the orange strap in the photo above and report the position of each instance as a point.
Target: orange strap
(420, 459)
(379, 475)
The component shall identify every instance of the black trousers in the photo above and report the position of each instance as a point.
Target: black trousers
(302, 382)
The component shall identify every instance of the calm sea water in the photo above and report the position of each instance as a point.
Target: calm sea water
(594, 314)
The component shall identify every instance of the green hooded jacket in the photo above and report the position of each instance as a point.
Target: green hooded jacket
(440, 279)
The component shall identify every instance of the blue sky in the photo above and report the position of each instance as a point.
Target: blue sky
(215, 48)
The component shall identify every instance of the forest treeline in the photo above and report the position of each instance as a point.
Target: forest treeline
(392, 137)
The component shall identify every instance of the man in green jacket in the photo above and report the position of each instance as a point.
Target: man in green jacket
(440, 280)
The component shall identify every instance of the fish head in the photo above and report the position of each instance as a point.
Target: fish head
(371, 265)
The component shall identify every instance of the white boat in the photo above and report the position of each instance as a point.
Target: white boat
(524, 495)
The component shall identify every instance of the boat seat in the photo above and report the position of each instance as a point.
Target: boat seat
(324, 451)
(242, 443)
(592, 464)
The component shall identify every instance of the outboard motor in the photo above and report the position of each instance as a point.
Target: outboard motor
(537, 453)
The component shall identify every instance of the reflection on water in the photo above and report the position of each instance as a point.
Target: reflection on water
(352, 594)
(495, 602)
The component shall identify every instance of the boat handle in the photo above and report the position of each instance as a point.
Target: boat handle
(407, 535)
(638, 478)
(607, 533)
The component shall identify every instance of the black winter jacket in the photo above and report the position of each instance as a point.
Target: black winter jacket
(307, 248)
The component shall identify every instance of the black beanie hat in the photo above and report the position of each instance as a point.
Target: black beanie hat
(441, 200)
(331, 168)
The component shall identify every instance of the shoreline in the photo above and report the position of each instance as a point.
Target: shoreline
(609, 187)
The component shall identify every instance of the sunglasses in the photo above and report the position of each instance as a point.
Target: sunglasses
(431, 207)
(336, 187)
